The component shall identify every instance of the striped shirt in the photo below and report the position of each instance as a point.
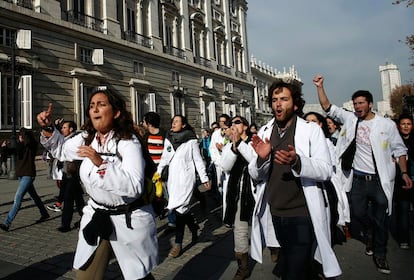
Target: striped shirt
(155, 143)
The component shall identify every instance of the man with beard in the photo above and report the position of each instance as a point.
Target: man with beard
(292, 158)
(366, 149)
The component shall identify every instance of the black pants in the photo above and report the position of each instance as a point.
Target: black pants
(73, 194)
(182, 220)
(298, 244)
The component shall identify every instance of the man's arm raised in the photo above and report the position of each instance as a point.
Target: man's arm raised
(323, 98)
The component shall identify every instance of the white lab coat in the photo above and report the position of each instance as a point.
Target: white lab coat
(310, 145)
(136, 249)
(386, 143)
(183, 164)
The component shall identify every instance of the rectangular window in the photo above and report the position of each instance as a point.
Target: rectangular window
(144, 103)
(5, 102)
(23, 97)
(131, 20)
(168, 36)
(85, 92)
(6, 36)
(175, 76)
(25, 88)
(85, 55)
(138, 69)
(178, 103)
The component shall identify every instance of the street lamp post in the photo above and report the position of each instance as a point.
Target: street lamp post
(20, 39)
(13, 139)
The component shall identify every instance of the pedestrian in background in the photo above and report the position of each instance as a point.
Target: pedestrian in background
(366, 149)
(182, 158)
(115, 220)
(205, 145)
(71, 183)
(253, 129)
(26, 148)
(334, 129)
(404, 197)
(4, 155)
(218, 140)
(238, 200)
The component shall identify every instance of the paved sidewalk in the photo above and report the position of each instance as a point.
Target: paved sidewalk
(39, 251)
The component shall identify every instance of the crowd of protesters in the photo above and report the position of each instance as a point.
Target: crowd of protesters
(298, 185)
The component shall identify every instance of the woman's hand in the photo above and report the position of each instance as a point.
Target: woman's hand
(89, 152)
(43, 118)
(207, 185)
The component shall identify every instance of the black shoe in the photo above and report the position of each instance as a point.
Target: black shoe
(42, 219)
(4, 227)
(76, 224)
(169, 229)
(382, 265)
(194, 236)
(64, 228)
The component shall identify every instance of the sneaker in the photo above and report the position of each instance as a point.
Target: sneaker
(175, 251)
(382, 265)
(42, 219)
(369, 251)
(54, 207)
(369, 248)
(404, 246)
(4, 227)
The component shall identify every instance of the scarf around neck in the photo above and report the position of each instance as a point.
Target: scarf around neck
(178, 138)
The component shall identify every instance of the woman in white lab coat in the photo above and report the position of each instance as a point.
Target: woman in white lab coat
(115, 220)
(182, 158)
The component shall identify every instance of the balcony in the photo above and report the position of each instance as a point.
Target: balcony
(202, 61)
(174, 51)
(224, 69)
(139, 39)
(22, 3)
(83, 20)
(241, 75)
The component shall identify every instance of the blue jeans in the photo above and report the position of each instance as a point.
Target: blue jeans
(369, 206)
(25, 185)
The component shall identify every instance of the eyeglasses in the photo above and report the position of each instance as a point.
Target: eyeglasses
(237, 122)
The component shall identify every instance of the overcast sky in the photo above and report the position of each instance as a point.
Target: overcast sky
(345, 40)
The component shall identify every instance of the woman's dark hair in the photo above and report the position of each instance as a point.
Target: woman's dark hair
(336, 123)
(295, 89)
(123, 125)
(322, 120)
(184, 121)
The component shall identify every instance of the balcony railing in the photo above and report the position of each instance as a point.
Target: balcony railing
(241, 75)
(202, 61)
(83, 20)
(174, 51)
(224, 69)
(139, 39)
(22, 3)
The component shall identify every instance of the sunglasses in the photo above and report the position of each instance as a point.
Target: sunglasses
(237, 122)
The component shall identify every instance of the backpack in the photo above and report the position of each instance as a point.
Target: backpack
(152, 193)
